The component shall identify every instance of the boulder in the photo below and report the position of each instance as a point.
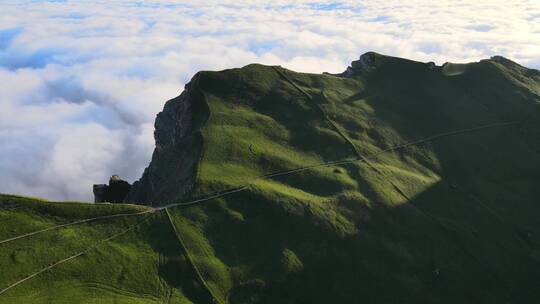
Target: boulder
(115, 192)
(100, 191)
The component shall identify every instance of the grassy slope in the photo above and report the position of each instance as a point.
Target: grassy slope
(454, 220)
(145, 265)
(449, 221)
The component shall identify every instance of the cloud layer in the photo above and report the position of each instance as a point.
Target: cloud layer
(81, 81)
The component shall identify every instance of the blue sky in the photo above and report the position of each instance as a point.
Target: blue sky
(82, 81)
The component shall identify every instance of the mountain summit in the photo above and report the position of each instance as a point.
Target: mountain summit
(394, 181)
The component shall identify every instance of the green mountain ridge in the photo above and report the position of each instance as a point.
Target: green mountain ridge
(395, 181)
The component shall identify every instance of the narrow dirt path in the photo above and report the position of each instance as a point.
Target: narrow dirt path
(339, 162)
(110, 216)
(359, 156)
(87, 250)
(198, 274)
(204, 199)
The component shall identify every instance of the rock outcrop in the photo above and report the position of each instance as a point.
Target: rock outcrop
(172, 171)
(115, 192)
(367, 62)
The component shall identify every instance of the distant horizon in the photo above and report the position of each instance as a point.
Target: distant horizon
(83, 81)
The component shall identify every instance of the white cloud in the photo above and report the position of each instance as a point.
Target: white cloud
(81, 81)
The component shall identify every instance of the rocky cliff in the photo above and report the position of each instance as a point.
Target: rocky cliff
(172, 170)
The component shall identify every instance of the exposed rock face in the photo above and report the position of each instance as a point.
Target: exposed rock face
(100, 191)
(172, 171)
(503, 60)
(118, 189)
(371, 61)
(367, 62)
(115, 192)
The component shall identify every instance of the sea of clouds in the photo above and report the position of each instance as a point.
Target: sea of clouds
(82, 81)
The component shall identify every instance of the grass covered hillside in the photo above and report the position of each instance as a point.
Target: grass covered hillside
(86, 253)
(394, 182)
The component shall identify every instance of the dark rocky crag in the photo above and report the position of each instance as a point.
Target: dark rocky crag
(171, 173)
(115, 192)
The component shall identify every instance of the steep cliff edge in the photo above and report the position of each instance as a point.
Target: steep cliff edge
(172, 170)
